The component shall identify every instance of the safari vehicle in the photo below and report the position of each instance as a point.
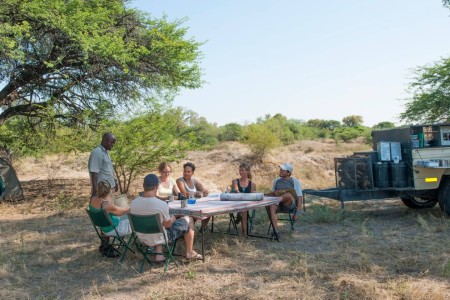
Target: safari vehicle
(412, 163)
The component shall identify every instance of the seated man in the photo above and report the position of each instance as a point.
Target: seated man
(147, 204)
(290, 189)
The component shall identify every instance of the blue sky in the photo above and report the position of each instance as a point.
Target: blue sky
(307, 59)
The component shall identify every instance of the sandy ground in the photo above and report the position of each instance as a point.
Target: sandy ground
(371, 250)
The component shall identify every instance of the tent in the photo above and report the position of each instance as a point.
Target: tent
(13, 189)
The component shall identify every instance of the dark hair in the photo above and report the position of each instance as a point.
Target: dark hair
(246, 167)
(104, 188)
(163, 165)
(190, 165)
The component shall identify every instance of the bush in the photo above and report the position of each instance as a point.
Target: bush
(231, 132)
(260, 139)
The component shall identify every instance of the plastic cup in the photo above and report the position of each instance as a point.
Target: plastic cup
(191, 201)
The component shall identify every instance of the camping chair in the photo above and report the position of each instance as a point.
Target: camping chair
(289, 218)
(101, 219)
(150, 224)
(235, 220)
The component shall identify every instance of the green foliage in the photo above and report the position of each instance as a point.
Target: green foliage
(324, 124)
(144, 142)
(203, 133)
(279, 125)
(260, 139)
(352, 121)
(230, 132)
(383, 125)
(347, 134)
(81, 61)
(27, 139)
(191, 275)
(430, 89)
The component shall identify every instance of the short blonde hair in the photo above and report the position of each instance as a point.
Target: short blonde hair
(104, 188)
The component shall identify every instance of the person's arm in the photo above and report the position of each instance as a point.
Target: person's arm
(253, 189)
(200, 188)
(182, 188)
(234, 185)
(175, 189)
(298, 187)
(116, 187)
(169, 222)
(115, 210)
(94, 182)
(166, 217)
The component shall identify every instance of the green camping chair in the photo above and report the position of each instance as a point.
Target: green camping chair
(101, 219)
(150, 224)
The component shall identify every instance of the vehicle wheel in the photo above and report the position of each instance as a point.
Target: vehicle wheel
(444, 197)
(418, 203)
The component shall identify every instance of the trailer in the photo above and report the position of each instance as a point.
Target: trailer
(411, 163)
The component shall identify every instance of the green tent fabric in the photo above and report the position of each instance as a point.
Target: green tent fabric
(12, 188)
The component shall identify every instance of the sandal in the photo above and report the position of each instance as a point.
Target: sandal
(195, 256)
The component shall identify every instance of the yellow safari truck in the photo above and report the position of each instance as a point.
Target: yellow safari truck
(411, 163)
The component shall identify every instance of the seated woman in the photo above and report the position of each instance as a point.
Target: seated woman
(243, 185)
(188, 184)
(167, 186)
(103, 201)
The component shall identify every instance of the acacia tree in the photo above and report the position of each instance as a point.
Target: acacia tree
(352, 121)
(145, 141)
(79, 60)
(430, 88)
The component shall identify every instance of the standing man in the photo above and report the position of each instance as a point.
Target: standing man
(101, 169)
(100, 164)
(290, 189)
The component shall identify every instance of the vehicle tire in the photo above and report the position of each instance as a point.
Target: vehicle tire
(444, 197)
(418, 203)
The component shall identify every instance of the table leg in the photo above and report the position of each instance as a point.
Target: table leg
(203, 244)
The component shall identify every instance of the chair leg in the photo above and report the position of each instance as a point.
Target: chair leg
(232, 222)
(144, 253)
(169, 251)
(127, 247)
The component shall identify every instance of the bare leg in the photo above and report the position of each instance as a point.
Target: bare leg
(244, 223)
(159, 249)
(273, 215)
(300, 203)
(287, 200)
(189, 237)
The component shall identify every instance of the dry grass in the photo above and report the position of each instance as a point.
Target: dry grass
(372, 250)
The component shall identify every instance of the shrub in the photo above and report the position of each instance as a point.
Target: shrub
(260, 139)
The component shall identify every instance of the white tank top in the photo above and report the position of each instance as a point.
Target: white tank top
(188, 189)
